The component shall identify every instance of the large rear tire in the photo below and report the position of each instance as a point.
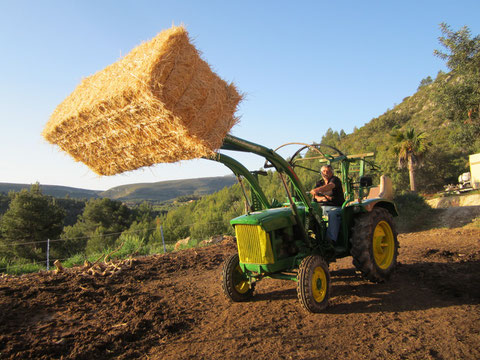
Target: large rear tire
(313, 286)
(375, 245)
(235, 283)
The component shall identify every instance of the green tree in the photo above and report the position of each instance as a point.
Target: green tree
(31, 218)
(426, 81)
(410, 146)
(144, 225)
(331, 138)
(144, 212)
(176, 224)
(4, 203)
(74, 241)
(102, 222)
(110, 214)
(459, 94)
(463, 51)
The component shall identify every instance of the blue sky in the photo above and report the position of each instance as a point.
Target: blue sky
(304, 66)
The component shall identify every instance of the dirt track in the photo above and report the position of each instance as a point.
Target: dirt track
(172, 307)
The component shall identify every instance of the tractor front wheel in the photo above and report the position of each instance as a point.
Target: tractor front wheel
(375, 245)
(313, 286)
(235, 283)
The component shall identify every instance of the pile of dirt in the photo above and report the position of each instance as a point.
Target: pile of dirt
(172, 307)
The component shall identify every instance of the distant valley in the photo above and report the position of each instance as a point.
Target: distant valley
(135, 193)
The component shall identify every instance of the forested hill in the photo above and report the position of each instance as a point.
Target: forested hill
(135, 193)
(448, 140)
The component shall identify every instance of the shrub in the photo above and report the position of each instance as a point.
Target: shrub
(75, 260)
(130, 244)
(414, 213)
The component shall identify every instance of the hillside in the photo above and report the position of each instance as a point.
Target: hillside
(447, 156)
(168, 190)
(154, 192)
(53, 190)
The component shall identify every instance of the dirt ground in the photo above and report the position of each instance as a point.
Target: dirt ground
(172, 307)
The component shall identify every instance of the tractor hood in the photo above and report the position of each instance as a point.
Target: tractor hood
(270, 219)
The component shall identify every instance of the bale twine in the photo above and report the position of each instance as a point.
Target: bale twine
(161, 103)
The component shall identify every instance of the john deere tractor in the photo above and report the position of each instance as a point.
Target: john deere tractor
(287, 240)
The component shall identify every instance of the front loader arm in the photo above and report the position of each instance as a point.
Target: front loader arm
(233, 143)
(239, 170)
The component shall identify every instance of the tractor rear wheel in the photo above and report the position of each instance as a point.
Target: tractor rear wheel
(235, 283)
(375, 245)
(313, 286)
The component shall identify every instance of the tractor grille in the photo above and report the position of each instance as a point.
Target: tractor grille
(254, 245)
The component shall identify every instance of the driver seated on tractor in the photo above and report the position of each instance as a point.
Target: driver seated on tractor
(328, 192)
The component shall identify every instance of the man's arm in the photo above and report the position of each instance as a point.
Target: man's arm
(324, 189)
(322, 198)
(323, 193)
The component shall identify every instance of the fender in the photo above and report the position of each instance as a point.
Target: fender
(369, 204)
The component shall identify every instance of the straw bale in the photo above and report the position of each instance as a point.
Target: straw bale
(161, 103)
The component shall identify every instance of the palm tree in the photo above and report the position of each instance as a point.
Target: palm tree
(410, 147)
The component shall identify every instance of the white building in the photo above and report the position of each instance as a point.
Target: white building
(475, 170)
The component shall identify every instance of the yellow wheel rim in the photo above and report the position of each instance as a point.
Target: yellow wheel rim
(241, 285)
(383, 245)
(319, 284)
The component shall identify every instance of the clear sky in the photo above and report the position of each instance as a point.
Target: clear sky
(305, 66)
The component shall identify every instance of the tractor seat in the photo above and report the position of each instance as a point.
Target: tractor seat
(384, 190)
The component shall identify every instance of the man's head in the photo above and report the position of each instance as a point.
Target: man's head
(327, 171)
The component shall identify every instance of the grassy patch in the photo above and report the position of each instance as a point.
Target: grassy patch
(20, 267)
(75, 260)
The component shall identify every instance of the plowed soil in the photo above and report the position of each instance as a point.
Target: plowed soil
(172, 307)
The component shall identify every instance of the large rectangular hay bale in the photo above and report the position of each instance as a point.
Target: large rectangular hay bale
(161, 103)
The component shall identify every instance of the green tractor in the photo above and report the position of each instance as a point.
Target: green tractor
(288, 240)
